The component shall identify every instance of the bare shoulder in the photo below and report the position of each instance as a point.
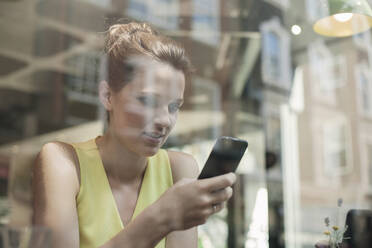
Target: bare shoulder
(57, 148)
(183, 165)
(57, 158)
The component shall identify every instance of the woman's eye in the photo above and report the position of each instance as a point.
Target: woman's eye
(173, 107)
(148, 101)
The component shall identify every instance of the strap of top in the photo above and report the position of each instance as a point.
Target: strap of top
(99, 220)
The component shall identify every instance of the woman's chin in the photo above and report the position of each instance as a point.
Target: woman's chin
(150, 151)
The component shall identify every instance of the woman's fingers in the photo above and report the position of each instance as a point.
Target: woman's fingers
(219, 182)
(196, 200)
(219, 191)
(218, 207)
(222, 195)
(213, 209)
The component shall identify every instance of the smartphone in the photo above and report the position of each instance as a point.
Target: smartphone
(225, 157)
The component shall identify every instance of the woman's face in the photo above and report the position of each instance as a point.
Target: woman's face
(145, 110)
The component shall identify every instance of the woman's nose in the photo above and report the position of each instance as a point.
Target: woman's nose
(162, 117)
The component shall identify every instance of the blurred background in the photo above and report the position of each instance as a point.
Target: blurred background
(301, 99)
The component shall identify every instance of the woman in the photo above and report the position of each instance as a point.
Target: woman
(121, 189)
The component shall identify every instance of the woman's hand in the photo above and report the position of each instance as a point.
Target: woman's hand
(190, 202)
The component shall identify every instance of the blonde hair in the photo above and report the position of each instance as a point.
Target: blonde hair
(126, 40)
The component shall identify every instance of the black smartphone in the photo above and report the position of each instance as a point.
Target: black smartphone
(225, 157)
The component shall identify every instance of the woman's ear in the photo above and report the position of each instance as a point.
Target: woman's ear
(104, 93)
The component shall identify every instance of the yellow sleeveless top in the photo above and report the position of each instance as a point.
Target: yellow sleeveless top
(99, 219)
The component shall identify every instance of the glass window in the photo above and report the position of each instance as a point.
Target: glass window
(274, 73)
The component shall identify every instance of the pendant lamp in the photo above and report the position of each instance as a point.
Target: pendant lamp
(344, 18)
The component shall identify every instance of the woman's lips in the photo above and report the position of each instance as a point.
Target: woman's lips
(153, 138)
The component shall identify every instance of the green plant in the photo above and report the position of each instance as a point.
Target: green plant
(334, 233)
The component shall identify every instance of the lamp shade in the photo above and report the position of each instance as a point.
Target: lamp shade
(344, 18)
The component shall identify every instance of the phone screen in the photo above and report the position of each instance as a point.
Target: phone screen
(225, 157)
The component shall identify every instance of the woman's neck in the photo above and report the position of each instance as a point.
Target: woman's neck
(120, 163)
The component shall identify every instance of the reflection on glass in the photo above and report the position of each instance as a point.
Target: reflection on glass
(369, 165)
(276, 60)
(364, 89)
(336, 148)
(51, 64)
(24, 237)
(272, 43)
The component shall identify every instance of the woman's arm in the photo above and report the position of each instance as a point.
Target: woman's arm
(55, 186)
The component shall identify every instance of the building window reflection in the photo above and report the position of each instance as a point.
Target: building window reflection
(276, 68)
(336, 147)
(363, 76)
